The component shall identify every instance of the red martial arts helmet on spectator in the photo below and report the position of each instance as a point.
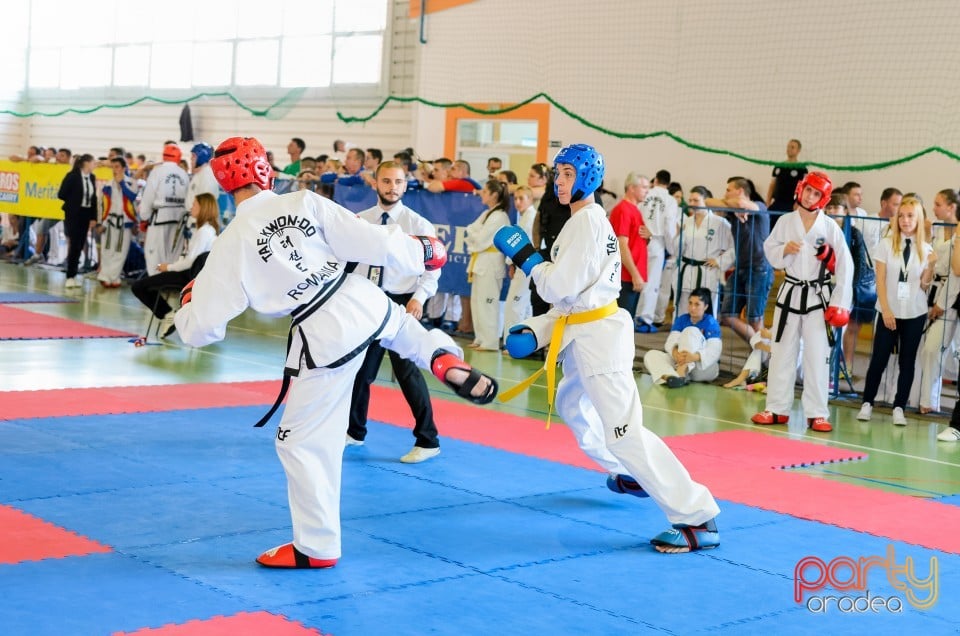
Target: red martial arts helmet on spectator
(171, 152)
(240, 161)
(820, 182)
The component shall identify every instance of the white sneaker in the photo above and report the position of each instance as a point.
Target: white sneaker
(71, 283)
(949, 434)
(36, 258)
(418, 454)
(167, 326)
(898, 417)
(353, 442)
(866, 411)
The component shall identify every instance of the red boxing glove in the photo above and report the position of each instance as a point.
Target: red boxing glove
(826, 254)
(434, 252)
(186, 294)
(836, 316)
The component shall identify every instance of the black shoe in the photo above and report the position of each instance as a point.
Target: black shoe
(675, 381)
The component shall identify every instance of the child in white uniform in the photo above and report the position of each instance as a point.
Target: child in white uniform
(808, 246)
(487, 269)
(598, 397)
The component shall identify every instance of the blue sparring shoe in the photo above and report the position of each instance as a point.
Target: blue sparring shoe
(625, 485)
(683, 538)
(640, 327)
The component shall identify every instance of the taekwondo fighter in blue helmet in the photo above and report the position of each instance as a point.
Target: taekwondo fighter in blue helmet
(202, 179)
(287, 255)
(593, 340)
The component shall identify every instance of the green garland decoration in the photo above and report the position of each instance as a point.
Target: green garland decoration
(274, 111)
(256, 112)
(622, 135)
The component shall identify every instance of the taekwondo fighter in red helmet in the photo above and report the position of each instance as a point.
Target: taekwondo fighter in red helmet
(810, 248)
(287, 255)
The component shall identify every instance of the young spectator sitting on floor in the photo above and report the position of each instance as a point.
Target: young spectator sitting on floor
(752, 371)
(692, 351)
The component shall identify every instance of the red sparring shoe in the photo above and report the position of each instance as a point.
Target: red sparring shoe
(766, 417)
(819, 424)
(287, 556)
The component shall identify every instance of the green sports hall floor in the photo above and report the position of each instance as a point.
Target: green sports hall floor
(907, 460)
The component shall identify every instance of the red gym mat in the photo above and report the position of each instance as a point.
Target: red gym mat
(134, 399)
(242, 624)
(24, 537)
(19, 324)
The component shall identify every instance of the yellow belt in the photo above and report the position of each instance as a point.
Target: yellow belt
(553, 351)
(473, 261)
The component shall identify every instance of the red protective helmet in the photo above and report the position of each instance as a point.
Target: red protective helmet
(820, 182)
(171, 152)
(240, 161)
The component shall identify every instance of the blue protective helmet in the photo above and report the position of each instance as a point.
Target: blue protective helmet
(204, 152)
(589, 166)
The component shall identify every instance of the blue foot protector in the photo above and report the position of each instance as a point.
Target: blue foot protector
(625, 485)
(684, 538)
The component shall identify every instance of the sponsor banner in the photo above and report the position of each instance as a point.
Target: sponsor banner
(30, 189)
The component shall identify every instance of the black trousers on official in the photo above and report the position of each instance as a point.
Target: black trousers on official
(907, 334)
(76, 227)
(412, 385)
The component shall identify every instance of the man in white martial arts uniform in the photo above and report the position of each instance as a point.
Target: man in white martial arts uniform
(162, 207)
(809, 247)
(287, 255)
(598, 397)
(661, 217)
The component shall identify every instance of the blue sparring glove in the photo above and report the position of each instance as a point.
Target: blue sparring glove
(521, 343)
(515, 244)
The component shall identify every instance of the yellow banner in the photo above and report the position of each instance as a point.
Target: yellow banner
(30, 189)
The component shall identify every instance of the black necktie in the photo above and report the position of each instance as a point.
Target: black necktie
(384, 218)
(906, 259)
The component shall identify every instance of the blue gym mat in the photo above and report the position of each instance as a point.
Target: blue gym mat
(31, 297)
(476, 540)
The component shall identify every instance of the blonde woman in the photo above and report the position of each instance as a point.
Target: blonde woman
(206, 212)
(905, 267)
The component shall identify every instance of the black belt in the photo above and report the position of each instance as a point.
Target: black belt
(695, 263)
(934, 288)
(299, 315)
(820, 301)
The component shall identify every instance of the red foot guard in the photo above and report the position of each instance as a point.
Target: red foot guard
(287, 556)
(819, 424)
(766, 417)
